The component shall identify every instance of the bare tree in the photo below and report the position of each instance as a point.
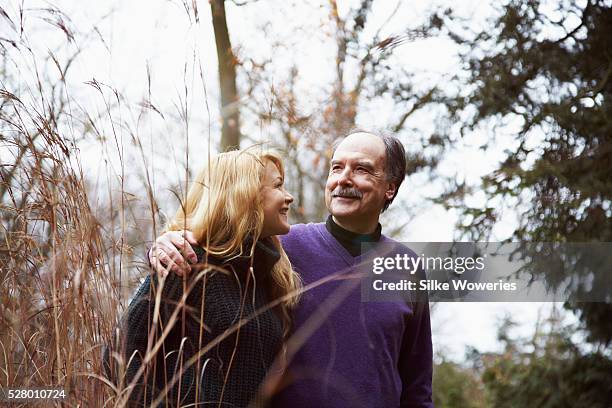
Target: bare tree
(364, 72)
(230, 113)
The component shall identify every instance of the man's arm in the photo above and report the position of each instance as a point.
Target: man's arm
(416, 359)
(172, 252)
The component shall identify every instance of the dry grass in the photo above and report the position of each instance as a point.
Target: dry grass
(57, 297)
(65, 267)
(59, 293)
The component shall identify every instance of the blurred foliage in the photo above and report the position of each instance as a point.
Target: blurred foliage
(547, 370)
(455, 386)
(540, 74)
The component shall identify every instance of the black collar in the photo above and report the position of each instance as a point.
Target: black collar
(351, 241)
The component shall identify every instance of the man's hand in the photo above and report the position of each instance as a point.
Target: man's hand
(172, 252)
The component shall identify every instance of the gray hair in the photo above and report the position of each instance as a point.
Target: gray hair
(395, 158)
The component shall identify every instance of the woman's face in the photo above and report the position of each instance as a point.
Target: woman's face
(276, 202)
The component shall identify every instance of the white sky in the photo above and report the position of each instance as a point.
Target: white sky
(160, 36)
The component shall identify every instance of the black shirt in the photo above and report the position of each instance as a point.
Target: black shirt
(351, 241)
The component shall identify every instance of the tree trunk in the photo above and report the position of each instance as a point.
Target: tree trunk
(230, 114)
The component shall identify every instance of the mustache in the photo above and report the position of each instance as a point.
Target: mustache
(348, 192)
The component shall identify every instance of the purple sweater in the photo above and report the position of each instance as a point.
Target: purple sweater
(376, 354)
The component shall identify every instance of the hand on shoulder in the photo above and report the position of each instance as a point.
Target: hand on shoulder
(172, 252)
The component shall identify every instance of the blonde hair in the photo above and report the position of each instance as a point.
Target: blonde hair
(224, 207)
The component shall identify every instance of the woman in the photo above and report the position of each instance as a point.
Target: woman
(213, 346)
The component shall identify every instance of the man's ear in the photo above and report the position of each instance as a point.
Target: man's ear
(391, 189)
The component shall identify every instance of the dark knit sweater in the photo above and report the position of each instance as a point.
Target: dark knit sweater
(230, 372)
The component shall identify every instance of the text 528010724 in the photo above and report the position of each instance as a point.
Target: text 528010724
(29, 394)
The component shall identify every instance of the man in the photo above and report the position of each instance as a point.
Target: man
(345, 352)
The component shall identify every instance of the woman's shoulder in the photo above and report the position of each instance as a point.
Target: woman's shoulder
(217, 273)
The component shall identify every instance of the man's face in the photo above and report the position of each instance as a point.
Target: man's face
(357, 185)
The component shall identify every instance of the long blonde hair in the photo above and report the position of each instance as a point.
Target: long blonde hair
(224, 206)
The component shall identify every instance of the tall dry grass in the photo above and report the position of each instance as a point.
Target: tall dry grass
(58, 298)
(59, 294)
(69, 248)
